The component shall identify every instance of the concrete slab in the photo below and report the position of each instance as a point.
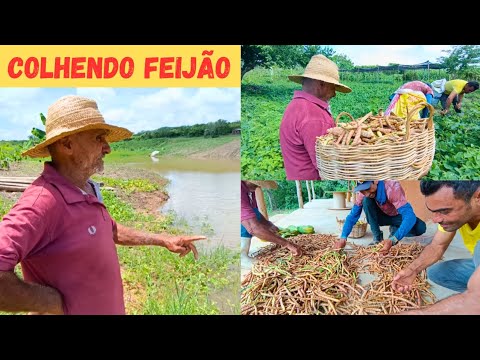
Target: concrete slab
(318, 213)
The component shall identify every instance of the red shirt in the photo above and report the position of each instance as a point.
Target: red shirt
(305, 118)
(64, 239)
(248, 203)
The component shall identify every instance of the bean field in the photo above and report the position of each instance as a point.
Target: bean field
(266, 93)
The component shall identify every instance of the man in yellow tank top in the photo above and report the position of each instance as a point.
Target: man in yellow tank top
(456, 207)
(453, 94)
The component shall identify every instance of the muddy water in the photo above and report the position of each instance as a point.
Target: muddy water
(205, 194)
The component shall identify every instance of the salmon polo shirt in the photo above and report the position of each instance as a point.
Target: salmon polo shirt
(305, 118)
(63, 238)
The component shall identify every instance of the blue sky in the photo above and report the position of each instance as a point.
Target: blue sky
(385, 54)
(134, 108)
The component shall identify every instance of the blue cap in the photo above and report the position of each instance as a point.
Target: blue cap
(364, 185)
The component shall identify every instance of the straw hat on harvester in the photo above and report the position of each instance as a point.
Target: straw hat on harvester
(72, 114)
(321, 68)
(265, 184)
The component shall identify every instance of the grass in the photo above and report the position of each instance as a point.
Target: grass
(172, 147)
(266, 94)
(5, 206)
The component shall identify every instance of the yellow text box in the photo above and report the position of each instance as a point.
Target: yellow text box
(120, 66)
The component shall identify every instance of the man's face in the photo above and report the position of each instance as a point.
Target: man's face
(89, 147)
(327, 91)
(370, 192)
(468, 89)
(447, 211)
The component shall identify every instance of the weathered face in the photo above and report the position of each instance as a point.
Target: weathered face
(447, 211)
(88, 149)
(370, 192)
(327, 91)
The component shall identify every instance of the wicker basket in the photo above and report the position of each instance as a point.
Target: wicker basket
(407, 159)
(358, 230)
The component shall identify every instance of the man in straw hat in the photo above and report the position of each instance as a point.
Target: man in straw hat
(308, 116)
(384, 203)
(253, 223)
(60, 231)
(456, 207)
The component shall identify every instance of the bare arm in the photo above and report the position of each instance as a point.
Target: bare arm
(449, 101)
(460, 98)
(262, 231)
(268, 224)
(431, 254)
(19, 296)
(466, 303)
(181, 244)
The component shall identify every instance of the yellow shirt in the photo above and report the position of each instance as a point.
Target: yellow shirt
(455, 85)
(469, 236)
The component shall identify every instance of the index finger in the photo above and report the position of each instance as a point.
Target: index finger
(194, 238)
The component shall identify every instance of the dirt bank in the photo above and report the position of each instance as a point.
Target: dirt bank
(229, 150)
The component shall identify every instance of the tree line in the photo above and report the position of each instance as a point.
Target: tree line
(460, 61)
(211, 129)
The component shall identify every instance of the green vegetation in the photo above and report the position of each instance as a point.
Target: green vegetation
(211, 129)
(5, 206)
(10, 152)
(175, 147)
(128, 185)
(266, 93)
(285, 196)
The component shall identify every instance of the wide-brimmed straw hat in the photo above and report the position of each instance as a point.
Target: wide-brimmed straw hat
(265, 184)
(324, 69)
(72, 114)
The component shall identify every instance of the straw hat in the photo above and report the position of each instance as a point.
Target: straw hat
(321, 68)
(265, 184)
(72, 114)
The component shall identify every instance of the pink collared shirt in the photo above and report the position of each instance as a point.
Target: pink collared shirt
(64, 239)
(305, 118)
(395, 198)
(248, 203)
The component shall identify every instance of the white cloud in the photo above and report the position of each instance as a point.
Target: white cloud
(12, 97)
(385, 54)
(132, 108)
(99, 94)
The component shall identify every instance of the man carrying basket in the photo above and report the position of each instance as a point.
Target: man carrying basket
(384, 203)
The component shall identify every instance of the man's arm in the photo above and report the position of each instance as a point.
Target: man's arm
(19, 296)
(431, 254)
(466, 303)
(181, 244)
(449, 102)
(351, 220)
(268, 224)
(408, 221)
(459, 103)
(260, 230)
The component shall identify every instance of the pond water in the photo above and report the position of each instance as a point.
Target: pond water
(205, 194)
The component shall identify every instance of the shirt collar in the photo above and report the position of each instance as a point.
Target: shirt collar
(70, 192)
(304, 95)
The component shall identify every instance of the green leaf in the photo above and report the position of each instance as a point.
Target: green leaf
(42, 117)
